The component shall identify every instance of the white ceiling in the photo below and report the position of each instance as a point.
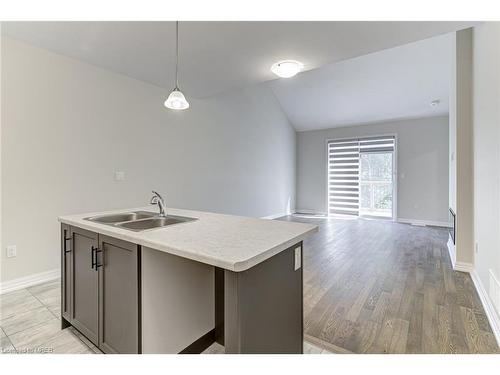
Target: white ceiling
(391, 84)
(217, 56)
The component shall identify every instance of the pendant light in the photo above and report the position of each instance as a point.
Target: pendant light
(176, 100)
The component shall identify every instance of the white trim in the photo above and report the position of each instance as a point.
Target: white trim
(275, 216)
(395, 179)
(424, 222)
(310, 212)
(489, 309)
(491, 313)
(452, 251)
(27, 281)
(326, 158)
(463, 267)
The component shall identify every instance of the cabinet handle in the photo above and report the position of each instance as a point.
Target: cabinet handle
(66, 239)
(97, 265)
(92, 262)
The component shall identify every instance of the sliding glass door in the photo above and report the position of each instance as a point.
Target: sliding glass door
(376, 184)
(360, 176)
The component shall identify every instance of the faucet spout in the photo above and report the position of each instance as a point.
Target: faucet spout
(158, 200)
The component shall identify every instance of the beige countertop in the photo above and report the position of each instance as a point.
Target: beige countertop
(235, 243)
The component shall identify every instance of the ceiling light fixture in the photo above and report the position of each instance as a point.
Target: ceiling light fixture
(435, 103)
(287, 68)
(176, 100)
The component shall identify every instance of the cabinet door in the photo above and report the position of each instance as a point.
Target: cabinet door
(84, 315)
(66, 272)
(118, 264)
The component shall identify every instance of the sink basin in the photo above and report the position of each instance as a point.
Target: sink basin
(155, 222)
(139, 220)
(118, 218)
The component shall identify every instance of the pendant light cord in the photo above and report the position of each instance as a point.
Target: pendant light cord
(176, 54)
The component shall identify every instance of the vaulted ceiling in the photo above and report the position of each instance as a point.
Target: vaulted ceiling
(395, 83)
(218, 56)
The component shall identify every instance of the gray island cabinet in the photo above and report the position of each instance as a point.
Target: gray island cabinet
(179, 288)
(100, 289)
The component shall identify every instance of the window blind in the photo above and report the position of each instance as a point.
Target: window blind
(343, 170)
(377, 144)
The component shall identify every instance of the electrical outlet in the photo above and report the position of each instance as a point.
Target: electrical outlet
(11, 251)
(119, 176)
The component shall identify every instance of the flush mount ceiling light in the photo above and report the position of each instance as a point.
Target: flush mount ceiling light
(176, 99)
(287, 68)
(435, 103)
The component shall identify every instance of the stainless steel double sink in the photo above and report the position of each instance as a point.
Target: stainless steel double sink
(138, 221)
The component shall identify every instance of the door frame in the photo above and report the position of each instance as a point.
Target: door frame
(394, 170)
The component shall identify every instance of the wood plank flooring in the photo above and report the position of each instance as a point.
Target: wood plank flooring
(374, 286)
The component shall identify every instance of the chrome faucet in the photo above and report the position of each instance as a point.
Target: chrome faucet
(157, 199)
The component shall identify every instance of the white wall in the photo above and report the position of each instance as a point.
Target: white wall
(486, 94)
(453, 128)
(464, 154)
(461, 148)
(422, 159)
(67, 126)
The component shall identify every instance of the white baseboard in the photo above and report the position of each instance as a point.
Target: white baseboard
(424, 222)
(463, 267)
(27, 281)
(452, 251)
(275, 216)
(310, 212)
(491, 313)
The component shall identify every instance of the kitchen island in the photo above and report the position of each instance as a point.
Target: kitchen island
(178, 288)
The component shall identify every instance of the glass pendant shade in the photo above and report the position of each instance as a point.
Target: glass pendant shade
(176, 100)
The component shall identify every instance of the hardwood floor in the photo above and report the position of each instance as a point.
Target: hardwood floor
(373, 286)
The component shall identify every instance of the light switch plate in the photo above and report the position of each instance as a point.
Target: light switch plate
(11, 251)
(119, 176)
(298, 258)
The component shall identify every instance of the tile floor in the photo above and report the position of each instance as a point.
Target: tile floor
(30, 323)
